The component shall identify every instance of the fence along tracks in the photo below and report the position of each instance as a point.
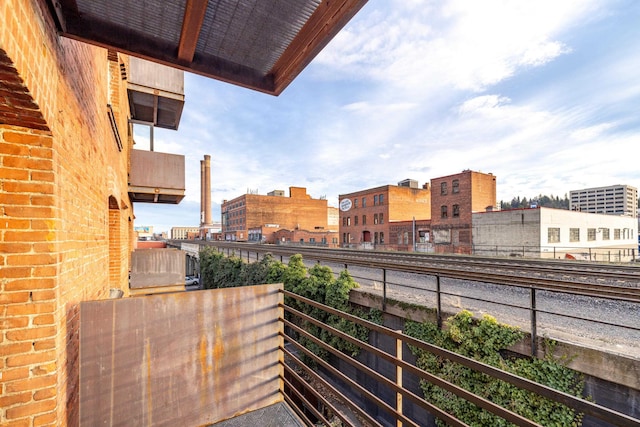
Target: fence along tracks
(611, 281)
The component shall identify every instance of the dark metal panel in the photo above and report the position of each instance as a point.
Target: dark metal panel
(248, 43)
(188, 358)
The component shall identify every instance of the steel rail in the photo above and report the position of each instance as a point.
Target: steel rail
(377, 260)
(587, 269)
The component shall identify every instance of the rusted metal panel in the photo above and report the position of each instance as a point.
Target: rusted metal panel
(152, 268)
(156, 177)
(189, 358)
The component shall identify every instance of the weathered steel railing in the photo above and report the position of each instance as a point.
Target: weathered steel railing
(298, 390)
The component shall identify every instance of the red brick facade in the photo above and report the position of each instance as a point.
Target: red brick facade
(67, 226)
(253, 210)
(366, 216)
(323, 238)
(453, 199)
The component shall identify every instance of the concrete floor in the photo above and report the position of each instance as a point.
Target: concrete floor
(278, 415)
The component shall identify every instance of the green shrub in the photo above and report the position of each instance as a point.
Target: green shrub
(486, 340)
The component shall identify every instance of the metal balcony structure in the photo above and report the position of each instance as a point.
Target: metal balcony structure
(262, 45)
(203, 357)
(156, 177)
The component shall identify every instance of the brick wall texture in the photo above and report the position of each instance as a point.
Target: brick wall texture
(471, 192)
(254, 210)
(66, 221)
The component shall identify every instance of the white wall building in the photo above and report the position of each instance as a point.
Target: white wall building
(555, 233)
(611, 200)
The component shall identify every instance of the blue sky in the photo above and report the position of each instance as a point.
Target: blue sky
(545, 95)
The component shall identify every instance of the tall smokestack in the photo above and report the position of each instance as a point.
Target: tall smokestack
(202, 189)
(207, 190)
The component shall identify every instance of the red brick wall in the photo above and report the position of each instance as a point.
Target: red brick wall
(253, 210)
(59, 241)
(399, 204)
(476, 191)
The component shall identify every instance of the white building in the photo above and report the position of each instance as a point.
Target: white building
(555, 233)
(182, 233)
(611, 200)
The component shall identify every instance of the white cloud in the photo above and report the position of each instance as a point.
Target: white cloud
(537, 93)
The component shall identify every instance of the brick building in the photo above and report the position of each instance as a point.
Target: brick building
(367, 216)
(454, 199)
(67, 175)
(324, 238)
(67, 228)
(298, 211)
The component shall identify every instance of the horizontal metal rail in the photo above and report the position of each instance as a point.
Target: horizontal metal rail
(580, 405)
(457, 268)
(467, 268)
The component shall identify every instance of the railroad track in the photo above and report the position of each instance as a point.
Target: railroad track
(621, 282)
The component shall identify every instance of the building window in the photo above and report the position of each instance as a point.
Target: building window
(455, 186)
(344, 221)
(375, 218)
(443, 212)
(381, 218)
(364, 202)
(381, 199)
(355, 220)
(456, 211)
(616, 234)
(348, 221)
(355, 203)
(553, 235)
(406, 237)
(334, 240)
(443, 188)
(301, 240)
(364, 220)
(605, 233)
(381, 238)
(312, 239)
(375, 200)
(400, 238)
(591, 234)
(375, 237)
(574, 234)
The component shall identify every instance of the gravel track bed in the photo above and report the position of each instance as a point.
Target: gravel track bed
(510, 305)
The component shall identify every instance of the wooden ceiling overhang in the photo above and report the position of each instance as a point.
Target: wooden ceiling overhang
(258, 44)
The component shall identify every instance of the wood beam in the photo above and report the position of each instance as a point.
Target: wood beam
(194, 13)
(327, 20)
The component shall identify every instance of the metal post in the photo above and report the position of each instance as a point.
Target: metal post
(414, 234)
(534, 341)
(399, 379)
(384, 289)
(438, 302)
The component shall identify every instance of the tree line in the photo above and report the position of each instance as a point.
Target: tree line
(539, 201)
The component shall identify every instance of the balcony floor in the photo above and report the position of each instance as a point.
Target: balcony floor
(278, 415)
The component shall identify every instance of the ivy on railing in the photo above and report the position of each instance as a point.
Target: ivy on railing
(487, 341)
(317, 283)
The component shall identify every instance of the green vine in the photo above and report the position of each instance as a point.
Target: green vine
(486, 340)
(317, 283)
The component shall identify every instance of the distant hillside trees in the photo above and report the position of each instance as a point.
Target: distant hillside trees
(540, 201)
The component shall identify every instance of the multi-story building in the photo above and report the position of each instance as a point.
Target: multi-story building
(555, 233)
(70, 175)
(454, 199)
(183, 233)
(611, 200)
(367, 216)
(298, 211)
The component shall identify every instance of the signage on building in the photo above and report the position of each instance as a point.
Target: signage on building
(345, 205)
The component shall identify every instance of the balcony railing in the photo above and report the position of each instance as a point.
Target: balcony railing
(313, 410)
(197, 358)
